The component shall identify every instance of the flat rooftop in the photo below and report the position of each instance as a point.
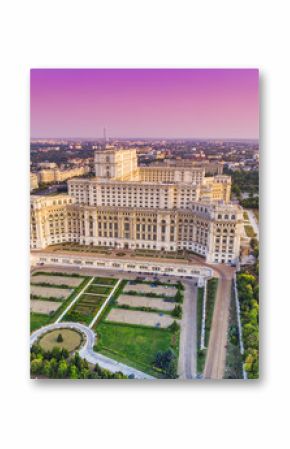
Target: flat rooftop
(127, 255)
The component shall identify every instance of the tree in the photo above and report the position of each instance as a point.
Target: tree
(65, 353)
(36, 349)
(36, 366)
(171, 370)
(178, 297)
(62, 369)
(77, 361)
(64, 366)
(56, 353)
(177, 311)
(159, 359)
(73, 372)
(167, 362)
(180, 285)
(46, 368)
(253, 242)
(84, 374)
(236, 191)
(174, 326)
(59, 338)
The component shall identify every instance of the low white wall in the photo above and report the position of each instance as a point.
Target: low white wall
(152, 267)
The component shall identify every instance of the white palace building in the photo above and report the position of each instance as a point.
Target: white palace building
(167, 208)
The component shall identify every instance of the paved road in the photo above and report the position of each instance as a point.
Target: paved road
(254, 223)
(87, 352)
(216, 352)
(187, 349)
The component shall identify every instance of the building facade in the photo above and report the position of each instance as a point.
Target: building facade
(47, 176)
(33, 181)
(131, 207)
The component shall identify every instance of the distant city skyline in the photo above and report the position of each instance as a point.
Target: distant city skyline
(145, 103)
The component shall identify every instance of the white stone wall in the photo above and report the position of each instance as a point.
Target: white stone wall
(77, 260)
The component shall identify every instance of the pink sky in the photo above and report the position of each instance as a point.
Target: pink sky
(203, 103)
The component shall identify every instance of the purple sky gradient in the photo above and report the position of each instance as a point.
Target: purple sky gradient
(203, 103)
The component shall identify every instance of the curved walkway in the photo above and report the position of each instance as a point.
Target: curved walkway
(87, 350)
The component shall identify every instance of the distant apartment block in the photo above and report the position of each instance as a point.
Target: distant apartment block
(33, 181)
(56, 175)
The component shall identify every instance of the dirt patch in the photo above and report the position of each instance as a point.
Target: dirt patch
(161, 290)
(45, 307)
(50, 292)
(56, 280)
(145, 301)
(142, 318)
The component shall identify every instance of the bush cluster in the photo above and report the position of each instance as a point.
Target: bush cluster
(248, 289)
(57, 364)
(177, 311)
(250, 203)
(178, 297)
(166, 361)
(210, 301)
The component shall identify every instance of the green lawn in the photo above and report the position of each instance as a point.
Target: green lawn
(134, 345)
(99, 290)
(200, 359)
(38, 320)
(249, 231)
(80, 315)
(85, 309)
(211, 295)
(105, 281)
(210, 302)
(256, 212)
(57, 273)
(234, 361)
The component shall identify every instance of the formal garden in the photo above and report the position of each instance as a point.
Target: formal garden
(119, 252)
(51, 293)
(90, 302)
(139, 325)
(138, 341)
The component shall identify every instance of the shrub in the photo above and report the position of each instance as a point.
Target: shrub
(167, 362)
(178, 297)
(177, 311)
(59, 338)
(57, 364)
(174, 327)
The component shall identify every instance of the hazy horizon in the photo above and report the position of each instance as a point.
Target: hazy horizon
(109, 138)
